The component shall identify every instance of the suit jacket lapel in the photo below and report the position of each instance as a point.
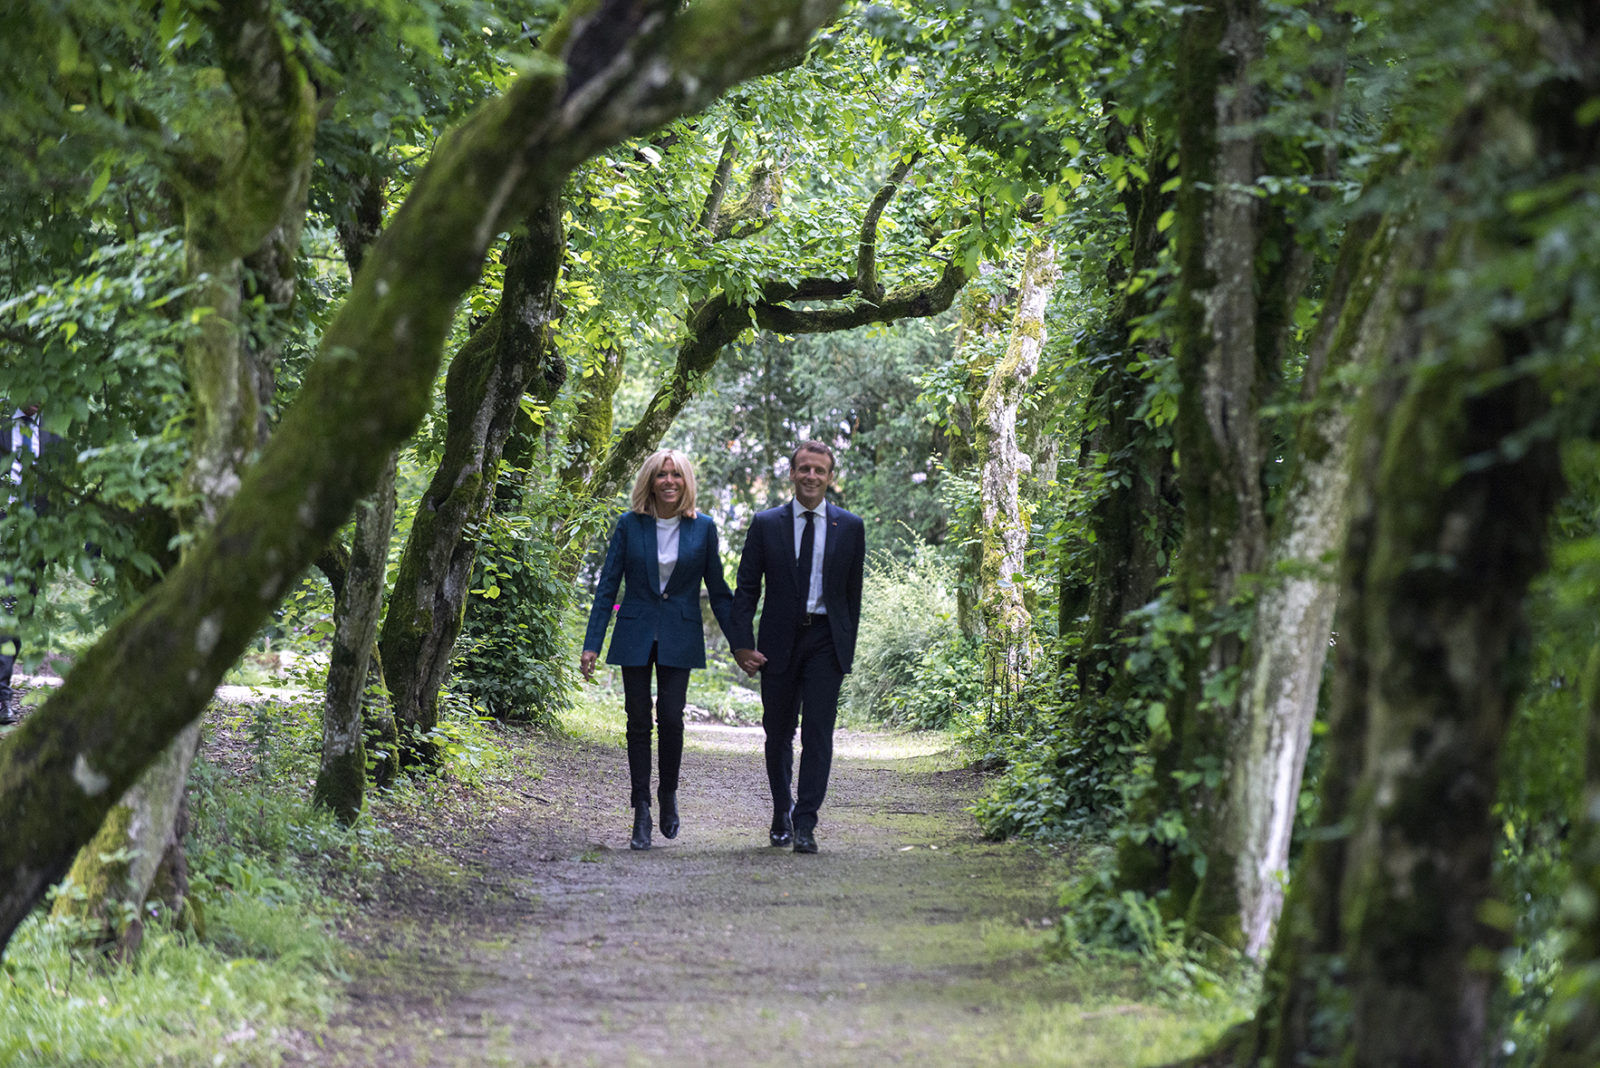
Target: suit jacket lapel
(830, 544)
(652, 572)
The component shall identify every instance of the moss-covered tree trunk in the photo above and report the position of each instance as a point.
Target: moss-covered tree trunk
(243, 189)
(152, 672)
(355, 689)
(1005, 521)
(483, 398)
(1294, 610)
(979, 340)
(590, 429)
(1385, 955)
(357, 699)
(1219, 440)
(1131, 519)
(1386, 936)
(1241, 270)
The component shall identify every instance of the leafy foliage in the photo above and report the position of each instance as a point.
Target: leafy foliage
(510, 657)
(913, 667)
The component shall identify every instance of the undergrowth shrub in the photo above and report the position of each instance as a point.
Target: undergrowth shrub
(913, 668)
(261, 959)
(509, 659)
(181, 1002)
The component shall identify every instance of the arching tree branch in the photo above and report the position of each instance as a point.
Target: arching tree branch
(867, 252)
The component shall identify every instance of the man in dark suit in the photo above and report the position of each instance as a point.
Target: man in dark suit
(807, 557)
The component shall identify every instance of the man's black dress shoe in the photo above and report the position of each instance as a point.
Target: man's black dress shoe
(782, 832)
(669, 813)
(641, 827)
(805, 842)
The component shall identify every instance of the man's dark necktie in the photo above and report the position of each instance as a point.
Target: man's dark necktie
(807, 540)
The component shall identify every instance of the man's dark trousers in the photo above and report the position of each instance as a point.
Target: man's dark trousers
(807, 693)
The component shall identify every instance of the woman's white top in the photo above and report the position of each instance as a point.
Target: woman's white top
(666, 549)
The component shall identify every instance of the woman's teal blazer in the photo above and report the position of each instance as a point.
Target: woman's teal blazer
(670, 621)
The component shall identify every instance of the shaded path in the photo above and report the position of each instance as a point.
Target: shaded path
(907, 940)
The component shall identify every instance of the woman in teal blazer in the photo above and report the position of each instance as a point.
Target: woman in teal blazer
(664, 550)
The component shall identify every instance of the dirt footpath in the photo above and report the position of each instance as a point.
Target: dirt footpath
(907, 940)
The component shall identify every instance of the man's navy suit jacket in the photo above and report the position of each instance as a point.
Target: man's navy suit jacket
(670, 620)
(768, 563)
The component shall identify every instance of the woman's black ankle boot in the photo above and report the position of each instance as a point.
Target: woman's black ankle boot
(669, 813)
(641, 827)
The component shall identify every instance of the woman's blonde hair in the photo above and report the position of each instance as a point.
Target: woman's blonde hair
(643, 501)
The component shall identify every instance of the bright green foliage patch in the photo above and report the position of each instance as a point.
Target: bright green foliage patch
(913, 666)
(262, 972)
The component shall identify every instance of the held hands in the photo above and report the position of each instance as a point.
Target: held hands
(586, 664)
(749, 659)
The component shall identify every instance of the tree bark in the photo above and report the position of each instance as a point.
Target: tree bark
(1219, 443)
(978, 329)
(631, 68)
(244, 197)
(359, 736)
(357, 602)
(112, 876)
(483, 397)
(1295, 606)
(1131, 518)
(1005, 522)
(1380, 959)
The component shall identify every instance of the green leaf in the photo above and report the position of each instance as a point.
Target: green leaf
(101, 180)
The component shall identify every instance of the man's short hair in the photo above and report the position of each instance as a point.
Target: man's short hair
(811, 446)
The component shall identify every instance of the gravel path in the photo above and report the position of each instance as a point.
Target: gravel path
(908, 940)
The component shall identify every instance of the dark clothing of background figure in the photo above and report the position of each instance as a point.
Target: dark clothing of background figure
(23, 441)
(807, 654)
(657, 628)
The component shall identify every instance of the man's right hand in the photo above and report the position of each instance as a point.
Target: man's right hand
(586, 663)
(750, 659)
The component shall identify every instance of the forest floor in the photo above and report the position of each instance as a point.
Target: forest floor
(538, 938)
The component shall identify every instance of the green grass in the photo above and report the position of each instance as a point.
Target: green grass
(270, 876)
(181, 1002)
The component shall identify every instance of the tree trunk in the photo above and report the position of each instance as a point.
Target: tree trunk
(978, 330)
(151, 674)
(1241, 721)
(1005, 522)
(358, 601)
(255, 210)
(590, 430)
(483, 397)
(1131, 517)
(1294, 608)
(1381, 958)
(1219, 442)
(358, 699)
(1391, 908)
(112, 875)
